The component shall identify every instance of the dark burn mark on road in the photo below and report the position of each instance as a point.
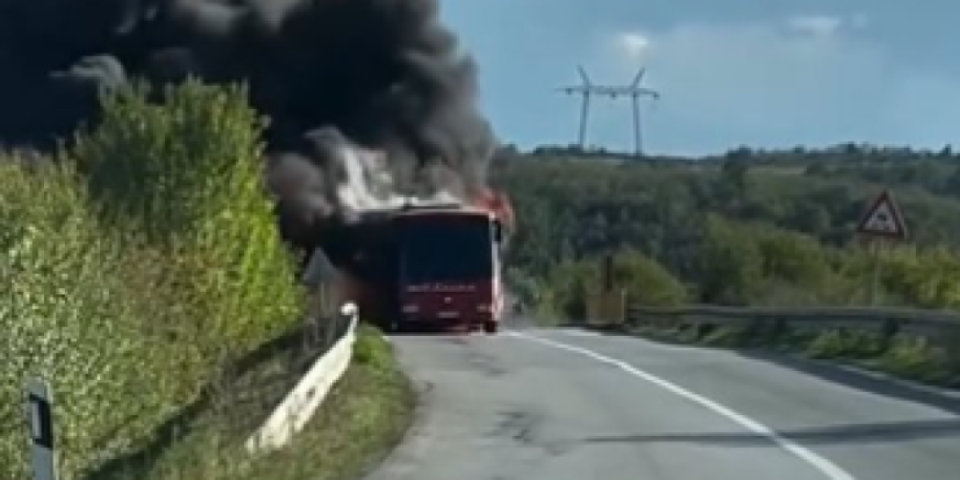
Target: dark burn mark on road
(525, 428)
(473, 358)
(485, 363)
(516, 425)
(454, 340)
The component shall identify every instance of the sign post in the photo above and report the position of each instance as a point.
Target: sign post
(608, 305)
(606, 290)
(884, 221)
(607, 273)
(40, 408)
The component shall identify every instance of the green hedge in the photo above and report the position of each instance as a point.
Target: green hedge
(136, 269)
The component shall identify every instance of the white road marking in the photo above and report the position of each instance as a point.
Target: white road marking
(826, 467)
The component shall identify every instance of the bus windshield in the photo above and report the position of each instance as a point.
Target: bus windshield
(446, 248)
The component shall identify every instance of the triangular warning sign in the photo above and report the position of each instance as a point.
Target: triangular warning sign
(884, 219)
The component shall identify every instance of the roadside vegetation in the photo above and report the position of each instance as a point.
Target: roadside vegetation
(902, 356)
(140, 266)
(366, 415)
(746, 228)
(363, 417)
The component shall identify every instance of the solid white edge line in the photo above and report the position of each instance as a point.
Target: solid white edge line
(826, 467)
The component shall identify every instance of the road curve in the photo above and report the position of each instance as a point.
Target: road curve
(568, 405)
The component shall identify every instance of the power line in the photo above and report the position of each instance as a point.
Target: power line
(634, 91)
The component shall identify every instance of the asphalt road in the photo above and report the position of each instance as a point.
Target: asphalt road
(569, 405)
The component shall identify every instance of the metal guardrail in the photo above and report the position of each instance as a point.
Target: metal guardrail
(300, 404)
(931, 324)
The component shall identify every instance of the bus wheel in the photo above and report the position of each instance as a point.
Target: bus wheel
(491, 327)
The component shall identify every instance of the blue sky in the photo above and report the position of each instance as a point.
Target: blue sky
(763, 73)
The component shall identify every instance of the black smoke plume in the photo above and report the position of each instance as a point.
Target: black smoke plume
(368, 99)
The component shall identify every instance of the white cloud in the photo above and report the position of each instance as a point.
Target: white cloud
(633, 44)
(818, 25)
(825, 25)
(804, 79)
(857, 20)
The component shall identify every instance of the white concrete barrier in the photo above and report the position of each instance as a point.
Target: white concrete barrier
(301, 403)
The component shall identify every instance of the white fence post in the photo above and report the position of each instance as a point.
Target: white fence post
(40, 408)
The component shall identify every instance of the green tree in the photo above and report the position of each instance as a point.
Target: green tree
(730, 264)
(187, 173)
(646, 281)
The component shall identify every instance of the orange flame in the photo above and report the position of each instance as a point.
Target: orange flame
(498, 203)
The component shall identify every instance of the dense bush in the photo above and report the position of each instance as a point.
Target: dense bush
(135, 270)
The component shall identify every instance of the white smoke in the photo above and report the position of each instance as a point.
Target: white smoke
(344, 178)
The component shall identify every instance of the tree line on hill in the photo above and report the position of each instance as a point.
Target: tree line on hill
(748, 227)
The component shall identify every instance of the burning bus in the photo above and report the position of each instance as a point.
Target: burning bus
(421, 262)
(449, 267)
(436, 266)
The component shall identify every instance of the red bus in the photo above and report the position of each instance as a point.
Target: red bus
(449, 270)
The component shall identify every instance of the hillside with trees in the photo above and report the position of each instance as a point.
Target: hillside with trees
(748, 227)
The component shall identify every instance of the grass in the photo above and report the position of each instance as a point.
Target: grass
(364, 416)
(904, 357)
